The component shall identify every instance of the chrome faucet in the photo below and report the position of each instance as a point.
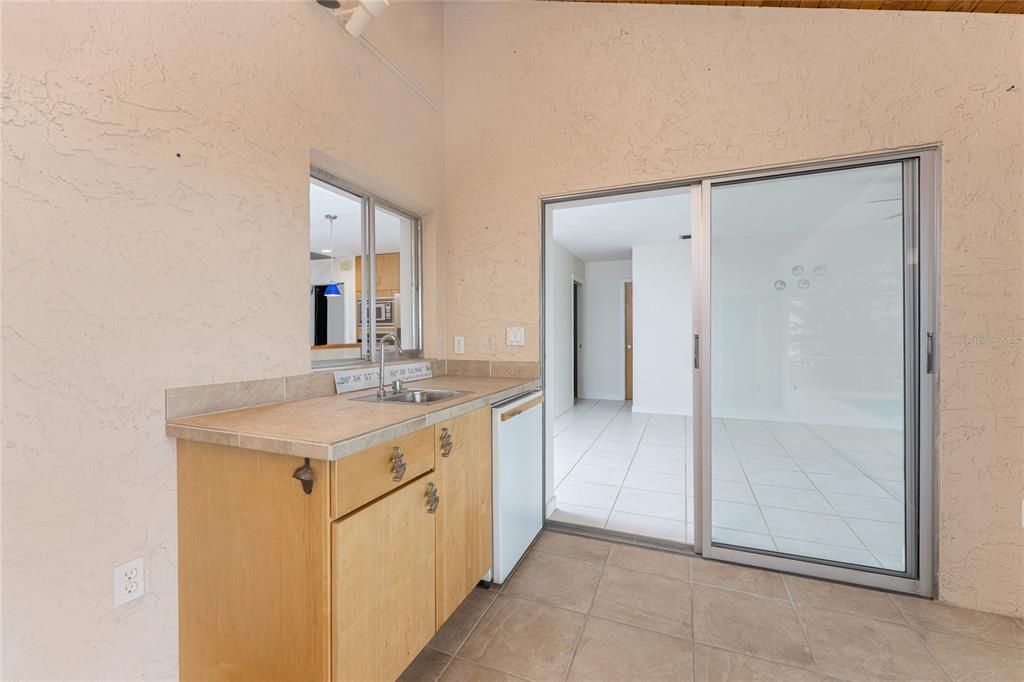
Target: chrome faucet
(381, 391)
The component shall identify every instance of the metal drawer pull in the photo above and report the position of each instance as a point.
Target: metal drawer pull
(446, 442)
(433, 499)
(398, 465)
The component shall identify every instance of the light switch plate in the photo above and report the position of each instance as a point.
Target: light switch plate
(515, 336)
(460, 345)
(129, 581)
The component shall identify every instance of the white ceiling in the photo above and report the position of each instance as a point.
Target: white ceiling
(608, 228)
(325, 199)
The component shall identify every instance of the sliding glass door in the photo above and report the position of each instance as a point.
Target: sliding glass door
(813, 363)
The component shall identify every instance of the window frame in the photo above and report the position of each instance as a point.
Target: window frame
(412, 341)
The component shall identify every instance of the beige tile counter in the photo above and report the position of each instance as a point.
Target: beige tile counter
(331, 427)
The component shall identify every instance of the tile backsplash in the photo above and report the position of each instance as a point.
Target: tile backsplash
(188, 401)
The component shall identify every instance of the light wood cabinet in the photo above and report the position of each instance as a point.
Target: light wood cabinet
(346, 581)
(383, 577)
(365, 476)
(389, 274)
(464, 517)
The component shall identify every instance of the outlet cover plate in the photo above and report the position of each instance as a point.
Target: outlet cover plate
(129, 581)
(515, 336)
(460, 344)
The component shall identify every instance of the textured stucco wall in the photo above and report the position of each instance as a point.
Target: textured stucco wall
(547, 98)
(128, 269)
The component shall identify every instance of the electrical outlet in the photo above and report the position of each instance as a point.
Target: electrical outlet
(515, 336)
(129, 581)
(460, 344)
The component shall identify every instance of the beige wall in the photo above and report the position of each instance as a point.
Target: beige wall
(173, 271)
(181, 271)
(547, 98)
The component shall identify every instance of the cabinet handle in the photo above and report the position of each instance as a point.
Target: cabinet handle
(433, 499)
(398, 465)
(446, 443)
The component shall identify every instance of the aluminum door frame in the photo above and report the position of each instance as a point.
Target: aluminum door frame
(921, 373)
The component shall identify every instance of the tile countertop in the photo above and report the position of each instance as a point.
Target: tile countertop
(334, 426)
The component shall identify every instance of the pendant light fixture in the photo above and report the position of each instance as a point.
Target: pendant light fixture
(332, 288)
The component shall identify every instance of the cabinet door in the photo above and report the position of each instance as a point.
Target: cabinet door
(389, 273)
(383, 596)
(464, 516)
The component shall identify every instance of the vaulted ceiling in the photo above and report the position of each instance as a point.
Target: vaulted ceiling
(989, 6)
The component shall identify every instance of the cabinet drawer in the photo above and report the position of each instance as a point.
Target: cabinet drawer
(365, 476)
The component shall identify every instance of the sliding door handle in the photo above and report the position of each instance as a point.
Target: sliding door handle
(929, 358)
(696, 351)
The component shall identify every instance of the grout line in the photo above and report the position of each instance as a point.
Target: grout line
(485, 667)
(854, 464)
(799, 620)
(475, 624)
(693, 622)
(728, 588)
(632, 457)
(927, 648)
(760, 511)
(586, 616)
(864, 545)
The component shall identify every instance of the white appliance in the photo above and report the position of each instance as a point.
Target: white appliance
(517, 433)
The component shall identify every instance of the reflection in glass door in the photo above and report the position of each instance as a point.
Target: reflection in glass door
(813, 358)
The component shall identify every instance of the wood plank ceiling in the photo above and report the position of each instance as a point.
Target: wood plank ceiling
(988, 6)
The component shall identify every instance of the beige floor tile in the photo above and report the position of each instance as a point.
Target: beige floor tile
(426, 667)
(617, 652)
(730, 576)
(461, 670)
(665, 564)
(970, 659)
(856, 648)
(525, 638)
(555, 580)
(573, 546)
(719, 665)
(855, 600)
(645, 600)
(923, 614)
(458, 626)
(746, 623)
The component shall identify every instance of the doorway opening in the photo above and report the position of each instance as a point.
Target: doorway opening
(621, 432)
(794, 366)
(577, 338)
(628, 332)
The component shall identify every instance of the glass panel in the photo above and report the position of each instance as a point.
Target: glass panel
(335, 247)
(807, 366)
(395, 304)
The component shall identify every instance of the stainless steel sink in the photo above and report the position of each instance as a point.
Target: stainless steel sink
(420, 395)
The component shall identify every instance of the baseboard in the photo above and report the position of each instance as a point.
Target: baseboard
(605, 396)
(659, 409)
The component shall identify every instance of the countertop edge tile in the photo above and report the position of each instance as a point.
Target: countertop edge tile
(212, 436)
(331, 451)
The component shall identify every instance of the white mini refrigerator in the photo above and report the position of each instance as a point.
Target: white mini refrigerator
(517, 432)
